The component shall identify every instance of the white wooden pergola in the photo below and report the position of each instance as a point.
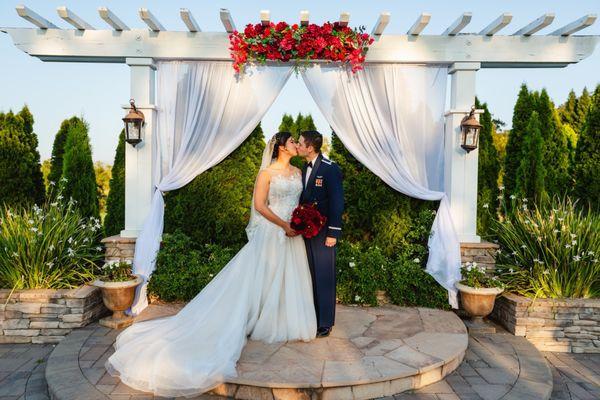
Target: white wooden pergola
(463, 53)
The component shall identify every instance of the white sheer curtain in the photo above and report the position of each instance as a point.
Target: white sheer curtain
(390, 117)
(205, 111)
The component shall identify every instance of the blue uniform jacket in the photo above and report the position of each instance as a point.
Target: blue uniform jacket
(324, 187)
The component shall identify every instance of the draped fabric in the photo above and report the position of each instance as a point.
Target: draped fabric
(390, 117)
(205, 111)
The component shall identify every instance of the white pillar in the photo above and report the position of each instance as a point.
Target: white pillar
(139, 185)
(460, 173)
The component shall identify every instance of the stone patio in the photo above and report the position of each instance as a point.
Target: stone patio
(495, 366)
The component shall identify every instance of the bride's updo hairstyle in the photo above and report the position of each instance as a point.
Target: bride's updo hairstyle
(280, 140)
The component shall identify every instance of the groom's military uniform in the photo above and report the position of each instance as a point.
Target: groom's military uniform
(324, 187)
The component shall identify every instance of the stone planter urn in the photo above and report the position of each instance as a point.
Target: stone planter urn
(478, 302)
(118, 297)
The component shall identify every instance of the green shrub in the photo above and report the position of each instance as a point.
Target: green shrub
(114, 221)
(50, 246)
(360, 273)
(550, 250)
(182, 271)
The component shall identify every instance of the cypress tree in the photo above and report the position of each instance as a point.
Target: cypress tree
(21, 179)
(587, 156)
(287, 123)
(555, 154)
(78, 177)
(114, 221)
(521, 114)
(568, 111)
(583, 106)
(58, 151)
(489, 169)
(531, 173)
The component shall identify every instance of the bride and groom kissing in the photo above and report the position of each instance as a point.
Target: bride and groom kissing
(279, 287)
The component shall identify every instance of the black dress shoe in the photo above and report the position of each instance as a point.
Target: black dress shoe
(323, 332)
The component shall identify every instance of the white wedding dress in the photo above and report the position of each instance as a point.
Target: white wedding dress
(265, 292)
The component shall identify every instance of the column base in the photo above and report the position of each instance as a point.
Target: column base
(119, 248)
(483, 253)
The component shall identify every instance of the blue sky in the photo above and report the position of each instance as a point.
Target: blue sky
(55, 91)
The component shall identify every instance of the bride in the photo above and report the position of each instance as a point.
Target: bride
(264, 292)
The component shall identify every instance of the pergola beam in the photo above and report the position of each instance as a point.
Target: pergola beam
(265, 17)
(536, 25)
(382, 22)
(227, 21)
(419, 24)
(31, 16)
(189, 21)
(112, 20)
(496, 51)
(575, 26)
(151, 20)
(304, 17)
(497, 25)
(344, 19)
(459, 24)
(73, 19)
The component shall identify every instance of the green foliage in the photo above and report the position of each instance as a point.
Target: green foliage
(584, 102)
(586, 167)
(531, 174)
(361, 272)
(215, 206)
(50, 246)
(549, 250)
(21, 179)
(103, 176)
(489, 169)
(568, 111)
(182, 270)
(78, 179)
(58, 150)
(521, 114)
(555, 156)
(114, 221)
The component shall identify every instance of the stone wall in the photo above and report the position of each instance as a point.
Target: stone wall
(47, 315)
(484, 254)
(565, 325)
(118, 248)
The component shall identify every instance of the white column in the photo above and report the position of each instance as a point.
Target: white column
(460, 173)
(139, 185)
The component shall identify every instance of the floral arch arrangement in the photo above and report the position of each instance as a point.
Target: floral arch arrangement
(299, 43)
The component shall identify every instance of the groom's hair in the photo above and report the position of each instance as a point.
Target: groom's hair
(314, 139)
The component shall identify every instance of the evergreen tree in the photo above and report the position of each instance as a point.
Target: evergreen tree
(568, 111)
(287, 123)
(58, 150)
(38, 187)
(78, 179)
(489, 169)
(215, 206)
(555, 154)
(21, 178)
(521, 114)
(114, 221)
(531, 173)
(583, 106)
(587, 156)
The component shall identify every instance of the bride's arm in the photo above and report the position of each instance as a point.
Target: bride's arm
(261, 191)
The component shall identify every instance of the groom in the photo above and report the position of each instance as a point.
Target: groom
(322, 184)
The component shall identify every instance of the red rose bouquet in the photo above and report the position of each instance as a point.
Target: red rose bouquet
(307, 220)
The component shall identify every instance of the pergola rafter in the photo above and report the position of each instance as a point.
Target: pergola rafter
(463, 53)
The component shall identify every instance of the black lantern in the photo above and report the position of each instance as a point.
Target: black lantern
(134, 121)
(470, 128)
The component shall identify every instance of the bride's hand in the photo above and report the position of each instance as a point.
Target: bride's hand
(289, 231)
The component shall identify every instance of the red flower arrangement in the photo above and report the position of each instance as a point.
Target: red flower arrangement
(307, 220)
(283, 42)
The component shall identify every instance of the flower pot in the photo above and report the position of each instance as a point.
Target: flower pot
(478, 302)
(118, 297)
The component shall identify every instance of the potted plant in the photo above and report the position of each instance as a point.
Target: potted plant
(118, 284)
(478, 291)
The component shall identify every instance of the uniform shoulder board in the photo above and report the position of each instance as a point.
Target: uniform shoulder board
(326, 161)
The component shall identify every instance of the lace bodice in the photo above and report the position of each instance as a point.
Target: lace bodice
(284, 194)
